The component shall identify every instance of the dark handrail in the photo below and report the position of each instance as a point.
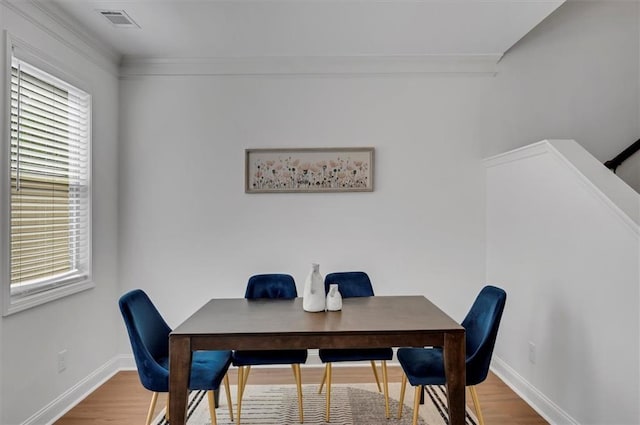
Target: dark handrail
(623, 156)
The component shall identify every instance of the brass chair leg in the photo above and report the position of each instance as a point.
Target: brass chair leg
(403, 387)
(476, 404)
(247, 369)
(212, 407)
(297, 374)
(385, 383)
(416, 404)
(375, 374)
(152, 407)
(324, 378)
(227, 390)
(240, 387)
(328, 403)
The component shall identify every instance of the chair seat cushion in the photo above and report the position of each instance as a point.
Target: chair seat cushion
(423, 366)
(207, 369)
(332, 355)
(267, 357)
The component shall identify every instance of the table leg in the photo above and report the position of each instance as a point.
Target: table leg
(179, 372)
(455, 372)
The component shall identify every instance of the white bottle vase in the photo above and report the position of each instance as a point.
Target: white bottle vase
(313, 299)
(334, 298)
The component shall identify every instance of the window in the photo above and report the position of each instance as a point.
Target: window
(49, 199)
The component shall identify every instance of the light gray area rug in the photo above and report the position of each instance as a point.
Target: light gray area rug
(353, 404)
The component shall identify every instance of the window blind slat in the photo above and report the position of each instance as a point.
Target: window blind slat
(30, 80)
(44, 117)
(24, 246)
(54, 107)
(28, 157)
(43, 135)
(34, 261)
(50, 114)
(60, 101)
(34, 251)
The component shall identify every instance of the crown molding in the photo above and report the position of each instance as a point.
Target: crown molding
(311, 65)
(50, 19)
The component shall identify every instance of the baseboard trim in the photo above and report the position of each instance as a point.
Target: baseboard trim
(550, 411)
(74, 395)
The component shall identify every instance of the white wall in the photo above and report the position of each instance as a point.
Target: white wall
(189, 232)
(85, 324)
(568, 258)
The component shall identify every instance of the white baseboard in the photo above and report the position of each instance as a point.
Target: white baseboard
(67, 400)
(126, 362)
(530, 394)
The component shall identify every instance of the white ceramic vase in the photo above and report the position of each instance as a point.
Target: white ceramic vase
(334, 298)
(313, 299)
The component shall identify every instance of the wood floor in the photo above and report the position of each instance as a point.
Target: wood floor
(123, 401)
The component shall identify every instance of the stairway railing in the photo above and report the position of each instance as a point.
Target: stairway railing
(614, 163)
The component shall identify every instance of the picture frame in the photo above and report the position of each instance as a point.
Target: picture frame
(309, 170)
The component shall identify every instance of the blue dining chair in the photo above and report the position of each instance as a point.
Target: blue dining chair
(149, 337)
(271, 286)
(425, 366)
(353, 284)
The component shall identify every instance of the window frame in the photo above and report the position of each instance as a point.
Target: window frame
(63, 286)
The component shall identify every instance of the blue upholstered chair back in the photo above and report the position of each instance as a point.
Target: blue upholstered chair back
(271, 286)
(481, 325)
(149, 336)
(350, 284)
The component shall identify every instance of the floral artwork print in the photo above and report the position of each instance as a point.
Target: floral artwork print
(315, 170)
(293, 173)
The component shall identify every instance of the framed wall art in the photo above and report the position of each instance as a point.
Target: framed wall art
(309, 170)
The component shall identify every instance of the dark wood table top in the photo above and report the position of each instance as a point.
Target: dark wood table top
(377, 315)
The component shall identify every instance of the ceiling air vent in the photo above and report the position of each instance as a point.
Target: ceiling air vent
(119, 18)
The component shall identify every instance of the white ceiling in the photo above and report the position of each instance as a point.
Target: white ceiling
(307, 28)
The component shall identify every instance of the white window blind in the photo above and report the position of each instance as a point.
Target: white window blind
(49, 173)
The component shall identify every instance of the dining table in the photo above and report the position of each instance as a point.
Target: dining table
(274, 324)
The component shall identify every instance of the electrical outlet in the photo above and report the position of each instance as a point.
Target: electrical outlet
(532, 352)
(62, 361)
